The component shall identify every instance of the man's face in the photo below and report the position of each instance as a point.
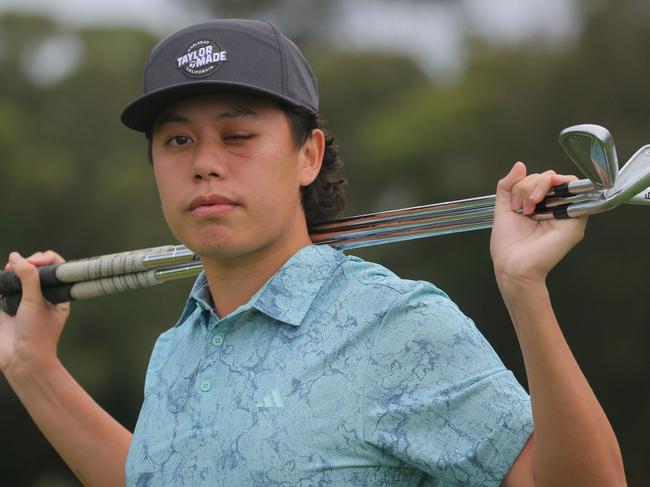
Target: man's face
(229, 174)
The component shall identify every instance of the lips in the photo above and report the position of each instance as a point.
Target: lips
(211, 204)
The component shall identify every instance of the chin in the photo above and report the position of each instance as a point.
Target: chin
(221, 245)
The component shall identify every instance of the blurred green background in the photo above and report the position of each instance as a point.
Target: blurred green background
(414, 128)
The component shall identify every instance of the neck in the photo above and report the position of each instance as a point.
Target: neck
(234, 280)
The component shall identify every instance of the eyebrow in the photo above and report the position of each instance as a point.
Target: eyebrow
(170, 118)
(227, 114)
(237, 112)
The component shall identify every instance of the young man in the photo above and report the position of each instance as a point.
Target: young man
(294, 364)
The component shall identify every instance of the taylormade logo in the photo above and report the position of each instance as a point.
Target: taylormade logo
(201, 58)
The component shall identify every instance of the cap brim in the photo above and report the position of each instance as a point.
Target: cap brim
(142, 112)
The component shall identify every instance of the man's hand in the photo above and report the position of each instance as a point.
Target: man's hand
(88, 439)
(574, 444)
(524, 249)
(30, 338)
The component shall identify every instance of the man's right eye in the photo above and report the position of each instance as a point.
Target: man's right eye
(179, 140)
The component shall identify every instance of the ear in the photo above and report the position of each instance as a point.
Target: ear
(311, 157)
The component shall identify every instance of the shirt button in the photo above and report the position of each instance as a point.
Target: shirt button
(217, 340)
(206, 385)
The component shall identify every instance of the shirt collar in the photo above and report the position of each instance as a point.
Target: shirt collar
(288, 294)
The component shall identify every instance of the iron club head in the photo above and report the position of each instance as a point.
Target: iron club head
(633, 178)
(591, 147)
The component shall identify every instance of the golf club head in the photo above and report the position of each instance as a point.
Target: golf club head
(591, 148)
(633, 178)
(643, 198)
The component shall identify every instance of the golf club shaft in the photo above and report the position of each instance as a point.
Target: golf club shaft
(140, 260)
(111, 285)
(143, 260)
(147, 267)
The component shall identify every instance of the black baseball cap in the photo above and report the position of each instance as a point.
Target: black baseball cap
(243, 55)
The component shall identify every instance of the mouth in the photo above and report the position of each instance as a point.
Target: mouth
(211, 205)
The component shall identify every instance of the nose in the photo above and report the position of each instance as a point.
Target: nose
(208, 161)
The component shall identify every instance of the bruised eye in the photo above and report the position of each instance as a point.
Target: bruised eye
(179, 140)
(237, 137)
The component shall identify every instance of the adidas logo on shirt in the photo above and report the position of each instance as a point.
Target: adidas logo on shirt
(273, 400)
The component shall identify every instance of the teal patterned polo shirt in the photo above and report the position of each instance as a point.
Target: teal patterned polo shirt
(335, 373)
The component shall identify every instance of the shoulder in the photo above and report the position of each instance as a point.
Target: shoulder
(404, 312)
(370, 285)
(419, 301)
(424, 323)
(373, 277)
(415, 322)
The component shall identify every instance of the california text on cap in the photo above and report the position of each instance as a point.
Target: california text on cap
(247, 55)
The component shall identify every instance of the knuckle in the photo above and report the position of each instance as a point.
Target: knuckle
(528, 182)
(54, 256)
(521, 186)
(24, 269)
(27, 271)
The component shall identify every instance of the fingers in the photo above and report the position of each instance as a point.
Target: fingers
(525, 192)
(517, 173)
(530, 191)
(27, 272)
(45, 258)
(557, 179)
(39, 259)
(505, 186)
(32, 295)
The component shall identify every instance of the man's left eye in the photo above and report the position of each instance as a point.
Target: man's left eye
(238, 137)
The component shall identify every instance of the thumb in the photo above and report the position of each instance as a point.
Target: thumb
(32, 295)
(505, 185)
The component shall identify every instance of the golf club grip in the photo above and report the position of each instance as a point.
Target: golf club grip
(572, 188)
(85, 269)
(10, 283)
(561, 190)
(561, 212)
(86, 289)
(9, 303)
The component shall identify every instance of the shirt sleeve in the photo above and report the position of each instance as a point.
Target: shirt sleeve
(437, 396)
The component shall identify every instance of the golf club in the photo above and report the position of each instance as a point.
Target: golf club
(163, 264)
(114, 273)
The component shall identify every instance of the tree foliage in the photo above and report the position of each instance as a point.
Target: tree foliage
(73, 179)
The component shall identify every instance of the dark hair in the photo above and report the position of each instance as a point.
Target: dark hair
(324, 198)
